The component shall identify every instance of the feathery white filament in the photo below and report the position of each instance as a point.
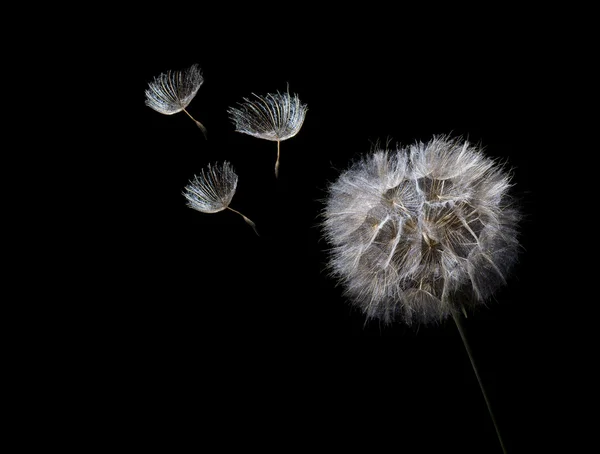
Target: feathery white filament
(212, 190)
(172, 92)
(275, 117)
(418, 232)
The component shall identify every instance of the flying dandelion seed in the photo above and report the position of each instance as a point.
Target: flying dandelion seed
(275, 117)
(172, 92)
(212, 190)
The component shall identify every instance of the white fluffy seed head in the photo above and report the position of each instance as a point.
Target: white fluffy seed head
(276, 116)
(171, 92)
(421, 231)
(212, 190)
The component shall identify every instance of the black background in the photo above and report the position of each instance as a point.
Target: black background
(248, 334)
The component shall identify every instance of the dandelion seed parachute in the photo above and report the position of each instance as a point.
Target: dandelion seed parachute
(213, 189)
(275, 117)
(419, 232)
(172, 92)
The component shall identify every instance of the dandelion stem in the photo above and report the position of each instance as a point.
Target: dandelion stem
(277, 162)
(248, 221)
(200, 125)
(458, 322)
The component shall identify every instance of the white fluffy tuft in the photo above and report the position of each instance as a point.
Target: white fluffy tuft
(420, 231)
(213, 189)
(171, 92)
(276, 116)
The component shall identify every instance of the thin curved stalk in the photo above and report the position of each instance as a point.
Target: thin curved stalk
(248, 221)
(277, 162)
(200, 125)
(458, 323)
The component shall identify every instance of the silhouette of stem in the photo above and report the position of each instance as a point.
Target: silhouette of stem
(250, 223)
(277, 162)
(200, 125)
(458, 322)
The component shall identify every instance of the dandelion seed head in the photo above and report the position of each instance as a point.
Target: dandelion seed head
(212, 190)
(275, 117)
(419, 231)
(171, 92)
